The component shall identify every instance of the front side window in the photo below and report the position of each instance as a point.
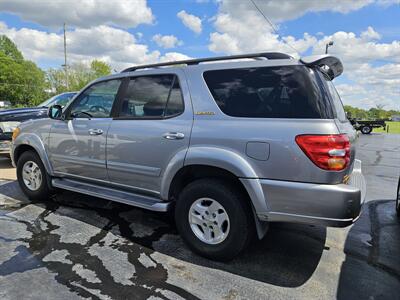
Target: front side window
(152, 97)
(269, 92)
(97, 100)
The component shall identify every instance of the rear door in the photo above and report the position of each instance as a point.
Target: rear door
(153, 124)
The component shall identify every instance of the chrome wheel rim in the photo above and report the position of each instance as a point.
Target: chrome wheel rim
(209, 221)
(32, 175)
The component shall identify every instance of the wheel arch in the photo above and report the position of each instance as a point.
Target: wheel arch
(190, 173)
(31, 143)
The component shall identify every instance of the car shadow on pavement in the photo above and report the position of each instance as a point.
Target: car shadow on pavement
(286, 257)
(5, 162)
(371, 269)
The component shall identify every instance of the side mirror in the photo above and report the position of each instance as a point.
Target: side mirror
(55, 112)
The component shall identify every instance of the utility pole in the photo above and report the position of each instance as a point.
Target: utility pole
(65, 59)
(327, 46)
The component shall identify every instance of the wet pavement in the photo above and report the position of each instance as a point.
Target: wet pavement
(78, 247)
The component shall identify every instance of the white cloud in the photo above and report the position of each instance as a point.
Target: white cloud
(190, 21)
(173, 56)
(251, 34)
(283, 10)
(81, 13)
(166, 41)
(355, 50)
(370, 34)
(371, 66)
(116, 46)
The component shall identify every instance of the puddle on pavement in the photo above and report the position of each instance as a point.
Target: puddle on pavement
(112, 235)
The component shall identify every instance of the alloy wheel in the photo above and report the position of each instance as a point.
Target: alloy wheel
(209, 221)
(32, 175)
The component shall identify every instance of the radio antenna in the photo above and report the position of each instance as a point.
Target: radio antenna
(272, 26)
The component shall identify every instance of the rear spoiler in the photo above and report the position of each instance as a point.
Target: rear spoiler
(328, 64)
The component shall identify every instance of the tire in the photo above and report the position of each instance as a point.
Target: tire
(39, 191)
(239, 227)
(398, 199)
(366, 129)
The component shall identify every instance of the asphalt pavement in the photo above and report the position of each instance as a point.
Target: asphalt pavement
(77, 247)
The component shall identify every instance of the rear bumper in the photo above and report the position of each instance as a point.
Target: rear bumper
(331, 205)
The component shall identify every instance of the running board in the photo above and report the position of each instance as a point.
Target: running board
(147, 202)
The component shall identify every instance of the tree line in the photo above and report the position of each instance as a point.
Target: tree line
(371, 114)
(23, 83)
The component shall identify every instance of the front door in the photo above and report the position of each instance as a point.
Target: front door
(151, 126)
(77, 144)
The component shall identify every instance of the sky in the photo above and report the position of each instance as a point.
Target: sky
(365, 35)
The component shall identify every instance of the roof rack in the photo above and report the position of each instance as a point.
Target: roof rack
(267, 55)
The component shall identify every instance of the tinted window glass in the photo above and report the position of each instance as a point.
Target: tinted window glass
(269, 92)
(148, 96)
(337, 102)
(63, 99)
(97, 100)
(175, 101)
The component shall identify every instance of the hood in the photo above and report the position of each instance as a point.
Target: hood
(22, 114)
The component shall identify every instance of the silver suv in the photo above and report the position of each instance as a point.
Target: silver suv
(228, 143)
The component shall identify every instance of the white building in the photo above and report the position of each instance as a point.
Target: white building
(396, 118)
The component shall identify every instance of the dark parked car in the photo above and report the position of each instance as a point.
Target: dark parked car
(11, 118)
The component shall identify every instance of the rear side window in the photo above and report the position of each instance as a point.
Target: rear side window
(269, 92)
(152, 96)
(336, 101)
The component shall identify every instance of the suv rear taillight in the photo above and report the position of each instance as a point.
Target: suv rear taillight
(329, 152)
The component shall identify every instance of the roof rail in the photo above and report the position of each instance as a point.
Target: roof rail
(267, 55)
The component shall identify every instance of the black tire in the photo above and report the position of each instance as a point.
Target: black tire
(398, 199)
(366, 129)
(237, 208)
(44, 191)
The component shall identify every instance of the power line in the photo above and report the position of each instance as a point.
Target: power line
(273, 27)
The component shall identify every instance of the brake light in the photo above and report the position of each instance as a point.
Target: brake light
(329, 152)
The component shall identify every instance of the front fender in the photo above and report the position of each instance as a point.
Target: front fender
(34, 141)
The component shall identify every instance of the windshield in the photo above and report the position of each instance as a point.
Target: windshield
(61, 99)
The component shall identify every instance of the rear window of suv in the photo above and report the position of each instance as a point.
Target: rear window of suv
(269, 92)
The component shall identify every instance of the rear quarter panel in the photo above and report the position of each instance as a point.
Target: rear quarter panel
(286, 161)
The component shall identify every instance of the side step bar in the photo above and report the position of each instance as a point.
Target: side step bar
(147, 202)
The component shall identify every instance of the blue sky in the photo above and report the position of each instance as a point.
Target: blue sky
(365, 34)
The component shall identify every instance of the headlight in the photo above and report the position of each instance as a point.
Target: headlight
(16, 132)
(9, 126)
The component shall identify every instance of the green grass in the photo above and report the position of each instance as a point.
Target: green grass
(394, 127)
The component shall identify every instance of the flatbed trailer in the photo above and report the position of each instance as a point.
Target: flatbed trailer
(366, 126)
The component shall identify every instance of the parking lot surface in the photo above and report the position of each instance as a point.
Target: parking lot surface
(83, 247)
